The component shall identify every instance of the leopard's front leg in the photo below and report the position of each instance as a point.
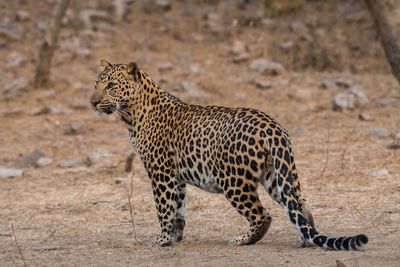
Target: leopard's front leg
(166, 197)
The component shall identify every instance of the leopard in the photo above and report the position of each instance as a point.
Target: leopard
(222, 150)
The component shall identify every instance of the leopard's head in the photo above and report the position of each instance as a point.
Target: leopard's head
(115, 87)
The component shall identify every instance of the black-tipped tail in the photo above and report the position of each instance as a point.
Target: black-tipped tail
(341, 243)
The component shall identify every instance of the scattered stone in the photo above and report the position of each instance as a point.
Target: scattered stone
(345, 82)
(379, 132)
(58, 109)
(11, 31)
(286, 46)
(241, 57)
(89, 16)
(350, 99)
(297, 27)
(385, 101)
(283, 83)
(15, 88)
(49, 93)
(121, 179)
(379, 172)
(22, 15)
(72, 163)
(194, 68)
(30, 159)
(97, 154)
(76, 46)
(73, 128)
(302, 94)
(365, 117)
(266, 66)
(238, 47)
(262, 84)
(11, 112)
(79, 103)
(343, 101)
(163, 4)
(190, 87)
(165, 66)
(328, 84)
(14, 60)
(44, 161)
(397, 136)
(156, 5)
(41, 26)
(10, 173)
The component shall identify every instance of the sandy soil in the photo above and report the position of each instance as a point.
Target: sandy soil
(80, 217)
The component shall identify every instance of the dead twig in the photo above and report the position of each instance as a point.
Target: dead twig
(326, 153)
(130, 193)
(16, 243)
(129, 162)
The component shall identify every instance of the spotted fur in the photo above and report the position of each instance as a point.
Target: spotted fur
(218, 149)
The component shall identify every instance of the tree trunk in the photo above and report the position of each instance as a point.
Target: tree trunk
(387, 34)
(50, 44)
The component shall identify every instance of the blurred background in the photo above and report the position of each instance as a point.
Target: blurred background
(317, 66)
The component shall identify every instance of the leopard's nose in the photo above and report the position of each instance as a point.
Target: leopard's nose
(94, 101)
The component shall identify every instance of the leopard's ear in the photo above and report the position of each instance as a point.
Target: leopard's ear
(133, 70)
(105, 63)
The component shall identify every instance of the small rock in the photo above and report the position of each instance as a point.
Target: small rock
(121, 179)
(343, 101)
(165, 66)
(73, 128)
(163, 4)
(358, 91)
(379, 172)
(266, 66)
(238, 47)
(350, 99)
(22, 15)
(71, 163)
(11, 112)
(58, 109)
(190, 87)
(156, 5)
(345, 82)
(241, 57)
(328, 84)
(14, 60)
(49, 93)
(298, 27)
(365, 117)
(40, 111)
(302, 94)
(286, 46)
(97, 154)
(385, 101)
(89, 16)
(397, 136)
(262, 84)
(79, 103)
(15, 88)
(379, 132)
(11, 31)
(9, 173)
(44, 161)
(194, 68)
(30, 159)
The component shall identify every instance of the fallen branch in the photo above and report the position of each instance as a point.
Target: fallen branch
(16, 243)
(130, 193)
(327, 153)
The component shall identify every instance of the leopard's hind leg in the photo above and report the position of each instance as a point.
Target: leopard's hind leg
(242, 194)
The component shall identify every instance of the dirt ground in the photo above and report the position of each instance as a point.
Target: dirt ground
(80, 216)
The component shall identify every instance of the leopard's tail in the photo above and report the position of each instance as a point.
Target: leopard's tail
(288, 198)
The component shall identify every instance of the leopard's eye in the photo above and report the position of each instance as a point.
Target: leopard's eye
(111, 86)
